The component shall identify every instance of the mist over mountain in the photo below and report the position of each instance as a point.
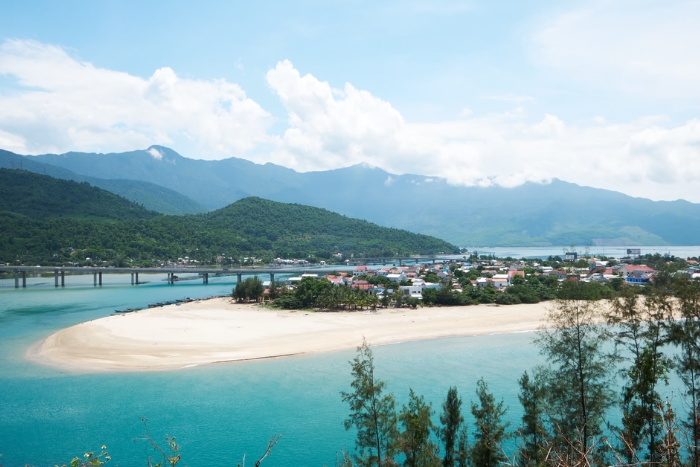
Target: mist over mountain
(558, 213)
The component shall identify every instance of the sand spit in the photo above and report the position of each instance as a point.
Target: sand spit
(218, 330)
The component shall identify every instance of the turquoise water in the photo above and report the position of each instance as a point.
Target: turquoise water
(218, 412)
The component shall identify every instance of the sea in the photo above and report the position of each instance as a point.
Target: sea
(221, 414)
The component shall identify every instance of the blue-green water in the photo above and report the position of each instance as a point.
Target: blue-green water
(218, 412)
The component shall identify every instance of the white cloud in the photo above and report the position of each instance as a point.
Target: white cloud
(627, 45)
(156, 153)
(331, 128)
(68, 104)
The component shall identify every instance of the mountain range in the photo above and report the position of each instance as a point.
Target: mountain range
(532, 214)
(45, 220)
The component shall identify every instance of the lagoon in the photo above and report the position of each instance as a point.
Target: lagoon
(216, 412)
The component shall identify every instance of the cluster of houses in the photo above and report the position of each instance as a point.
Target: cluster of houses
(411, 280)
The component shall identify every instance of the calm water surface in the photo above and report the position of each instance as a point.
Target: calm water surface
(218, 412)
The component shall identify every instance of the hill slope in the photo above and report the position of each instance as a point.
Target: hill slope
(249, 227)
(152, 196)
(558, 213)
(43, 197)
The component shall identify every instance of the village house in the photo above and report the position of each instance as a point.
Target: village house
(628, 269)
(499, 281)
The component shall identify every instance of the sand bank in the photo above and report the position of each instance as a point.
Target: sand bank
(218, 330)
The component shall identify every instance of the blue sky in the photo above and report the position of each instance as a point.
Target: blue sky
(602, 93)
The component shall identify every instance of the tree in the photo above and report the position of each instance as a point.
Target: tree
(685, 333)
(249, 289)
(577, 378)
(309, 289)
(414, 441)
(451, 421)
(429, 295)
(640, 330)
(463, 449)
(489, 428)
(533, 431)
(372, 413)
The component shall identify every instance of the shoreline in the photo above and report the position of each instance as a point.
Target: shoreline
(220, 331)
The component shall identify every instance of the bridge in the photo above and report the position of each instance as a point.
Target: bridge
(59, 272)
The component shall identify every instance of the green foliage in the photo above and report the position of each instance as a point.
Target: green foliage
(249, 289)
(490, 429)
(414, 440)
(451, 421)
(533, 431)
(42, 197)
(577, 382)
(525, 293)
(249, 227)
(289, 301)
(507, 299)
(429, 296)
(432, 277)
(570, 290)
(685, 334)
(640, 330)
(372, 413)
(91, 459)
(309, 289)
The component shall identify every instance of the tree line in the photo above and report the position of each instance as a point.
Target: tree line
(589, 346)
(248, 227)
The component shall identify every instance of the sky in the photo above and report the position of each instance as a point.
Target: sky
(600, 93)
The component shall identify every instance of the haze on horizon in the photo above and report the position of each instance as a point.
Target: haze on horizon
(603, 94)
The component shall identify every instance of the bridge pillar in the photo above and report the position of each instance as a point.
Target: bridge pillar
(16, 279)
(55, 277)
(400, 262)
(24, 279)
(205, 278)
(63, 278)
(272, 282)
(94, 279)
(132, 278)
(239, 277)
(433, 261)
(99, 276)
(137, 278)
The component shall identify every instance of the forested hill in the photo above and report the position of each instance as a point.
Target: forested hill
(41, 197)
(249, 227)
(289, 227)
(150, 195)
(533, 214)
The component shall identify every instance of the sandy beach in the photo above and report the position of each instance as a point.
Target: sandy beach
(219, 330)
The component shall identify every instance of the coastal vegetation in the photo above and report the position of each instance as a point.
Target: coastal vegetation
(126, 234)
(567, 404)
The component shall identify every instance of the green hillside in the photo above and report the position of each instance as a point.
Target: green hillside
(42, 197)
(532, 214)
(152, 196)
(249, 227)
